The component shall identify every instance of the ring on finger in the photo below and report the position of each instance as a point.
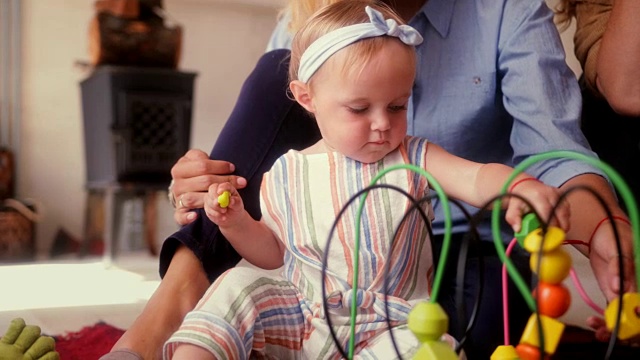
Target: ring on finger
(180, 202)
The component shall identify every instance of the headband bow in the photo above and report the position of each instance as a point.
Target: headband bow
(328, 44)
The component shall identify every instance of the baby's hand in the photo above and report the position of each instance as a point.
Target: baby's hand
(543, 198)
(223, 205)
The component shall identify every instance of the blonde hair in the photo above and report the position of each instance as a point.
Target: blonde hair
(338, 15)
(301, 10)
(565, 10)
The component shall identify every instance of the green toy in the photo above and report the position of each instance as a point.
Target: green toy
(25, 342)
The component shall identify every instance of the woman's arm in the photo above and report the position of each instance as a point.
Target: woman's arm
(618, 61)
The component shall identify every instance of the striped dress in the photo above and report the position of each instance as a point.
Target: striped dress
(250, 313)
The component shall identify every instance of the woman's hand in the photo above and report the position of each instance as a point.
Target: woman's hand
(604, 258)
(192, 176)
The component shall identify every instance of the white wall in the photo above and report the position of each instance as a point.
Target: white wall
(222, 41)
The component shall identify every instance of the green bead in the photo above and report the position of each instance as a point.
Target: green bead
(428, 321)
(439, 350)
(530, 222)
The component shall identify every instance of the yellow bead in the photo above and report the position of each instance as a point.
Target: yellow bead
(505, 352)
(554, 268)
(553, 239)
(629, 318)
(224, 198)
(427, 321)
(551, 329)
(435, 349)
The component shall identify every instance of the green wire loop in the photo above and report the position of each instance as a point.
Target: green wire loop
(443, 255)
(615, 178)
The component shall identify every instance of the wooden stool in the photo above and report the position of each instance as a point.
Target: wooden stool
(103, 220)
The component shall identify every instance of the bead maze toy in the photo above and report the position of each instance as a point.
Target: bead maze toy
(548, 301)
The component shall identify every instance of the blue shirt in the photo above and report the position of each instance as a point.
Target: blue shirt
(492, 85)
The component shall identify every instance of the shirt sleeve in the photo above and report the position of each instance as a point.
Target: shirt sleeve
(280, 37)
(541, 92)
(592, 17)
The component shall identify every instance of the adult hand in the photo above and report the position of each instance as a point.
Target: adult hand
(605, 264)
(604, 258)
(602, 333)
(192, 175)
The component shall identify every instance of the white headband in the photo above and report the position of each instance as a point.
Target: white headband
(328, 44)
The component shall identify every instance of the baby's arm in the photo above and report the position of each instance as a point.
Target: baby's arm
(252, 239)
(477, 183)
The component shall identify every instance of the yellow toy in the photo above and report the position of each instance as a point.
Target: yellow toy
(223, 199)
(549, 261)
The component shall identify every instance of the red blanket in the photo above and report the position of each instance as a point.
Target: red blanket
(89, 343)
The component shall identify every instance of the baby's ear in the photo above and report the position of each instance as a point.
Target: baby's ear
(302, 95)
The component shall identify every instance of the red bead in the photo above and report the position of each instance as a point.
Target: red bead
(529, 352)
(553, 300)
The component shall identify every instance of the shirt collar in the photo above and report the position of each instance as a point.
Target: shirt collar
(439, 13)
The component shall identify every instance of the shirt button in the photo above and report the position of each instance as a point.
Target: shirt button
(477, 80)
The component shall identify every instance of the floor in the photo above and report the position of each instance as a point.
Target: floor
(66, 295)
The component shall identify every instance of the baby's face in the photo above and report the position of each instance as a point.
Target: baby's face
(363, 114)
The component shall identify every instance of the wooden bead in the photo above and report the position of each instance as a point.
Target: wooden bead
(553, 239)
(554, 268)
(529, 352)
(505, 352)
(629, 317)
(553, 300)
(428, 321)
(552, 330)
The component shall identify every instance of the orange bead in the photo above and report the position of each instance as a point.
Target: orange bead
(553, 300)
(529, 352)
